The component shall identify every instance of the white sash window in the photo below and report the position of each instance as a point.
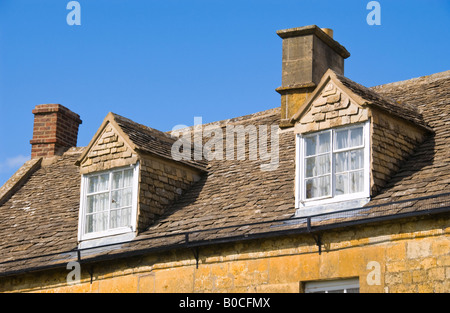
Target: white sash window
(333, 165)
(108, 203)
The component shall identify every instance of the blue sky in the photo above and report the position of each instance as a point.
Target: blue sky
(161, 63)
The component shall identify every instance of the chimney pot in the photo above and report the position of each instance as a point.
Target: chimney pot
(328, 31)
(55, 130)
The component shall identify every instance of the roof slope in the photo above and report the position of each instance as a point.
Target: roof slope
(428, 169)
(231, 193)
(42, 216)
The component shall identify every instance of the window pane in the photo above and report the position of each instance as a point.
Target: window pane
(310, 143)
(127, 193)
(97, 203)
(324, 142)
(356, 136)
(128, 178)
(316, 166)
(341, 184)
(116, 199)
(357, 159)
(125, 217)
(341, 139)
(89, 227)
(96, 222)
(317, 187)
(356, 181)
(341, 161)
(114, 218)
(121, 198)
(98, 183)
(120, 218)
(117, 180)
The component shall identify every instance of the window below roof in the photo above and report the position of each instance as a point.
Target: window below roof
(108, 204)
(332, 167)
(333, 286)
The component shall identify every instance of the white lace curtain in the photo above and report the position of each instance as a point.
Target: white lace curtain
(334, 158)
(109, 200)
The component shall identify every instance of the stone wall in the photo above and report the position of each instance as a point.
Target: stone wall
(109, 151)
(161, 182)
(393, 141)
(401, 256)
(331, 108)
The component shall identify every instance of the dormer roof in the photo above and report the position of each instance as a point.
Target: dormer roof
(363, 97)
(139, 139)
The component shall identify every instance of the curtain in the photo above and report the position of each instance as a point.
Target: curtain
(318, 165)
(347, 155)
(109, 203)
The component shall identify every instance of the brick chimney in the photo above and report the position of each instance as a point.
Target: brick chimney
(308, 52)
(55, 130)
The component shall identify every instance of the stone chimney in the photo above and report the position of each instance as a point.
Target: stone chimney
(308, 52)
(55, 130)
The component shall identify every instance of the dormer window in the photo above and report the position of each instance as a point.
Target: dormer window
(333, 165)
(350, 141)
(109, 203)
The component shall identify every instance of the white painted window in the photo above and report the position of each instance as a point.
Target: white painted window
(333, 286)
(108, 203)
(333, 165)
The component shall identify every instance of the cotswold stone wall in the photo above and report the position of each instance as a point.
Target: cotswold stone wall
(393, 141)
(400, 256)
(332, 108)
(160, 183)
(110, 151)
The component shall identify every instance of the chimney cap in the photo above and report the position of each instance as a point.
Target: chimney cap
(55, 107)
(325, 36)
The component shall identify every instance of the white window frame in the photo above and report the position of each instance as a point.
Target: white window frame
(331, 285)
(83, 200)
(300, 190)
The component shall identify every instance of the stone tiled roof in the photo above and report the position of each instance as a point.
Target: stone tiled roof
(428, 170)
(368, 96)
(401, 108)
(41, 217)
(152, 141)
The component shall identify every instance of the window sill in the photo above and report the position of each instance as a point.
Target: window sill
(329, 207)
(108, 240)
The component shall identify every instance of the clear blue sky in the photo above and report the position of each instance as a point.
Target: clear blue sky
(160, 63)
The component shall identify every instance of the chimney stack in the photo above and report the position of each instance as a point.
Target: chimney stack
(55, 130)
(308, 52)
